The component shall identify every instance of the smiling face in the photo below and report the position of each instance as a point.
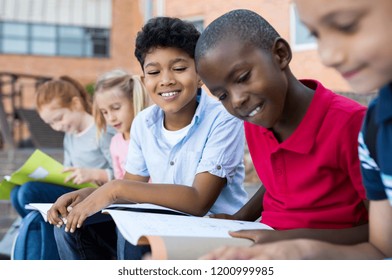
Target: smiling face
(249, 81)
(68, 120)
(354, 37)
(171, 80)
(117, 109)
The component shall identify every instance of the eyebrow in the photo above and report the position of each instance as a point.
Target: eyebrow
(171, 62)
(230, 76)
(332, 16)
(234, 70)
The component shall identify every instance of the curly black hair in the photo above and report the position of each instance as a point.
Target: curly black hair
(166, 32)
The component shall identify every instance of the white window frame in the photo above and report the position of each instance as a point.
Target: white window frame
(196, 18)
(293, 29)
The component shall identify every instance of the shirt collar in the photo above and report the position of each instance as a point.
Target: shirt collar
(304, 137)
(384, 104)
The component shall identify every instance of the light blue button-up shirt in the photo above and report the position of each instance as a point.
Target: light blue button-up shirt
(214, 144)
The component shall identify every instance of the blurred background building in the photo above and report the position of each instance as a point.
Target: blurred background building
(84, 38)
(42, 39)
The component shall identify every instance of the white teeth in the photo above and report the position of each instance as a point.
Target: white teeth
(168, 94)
(254, 112)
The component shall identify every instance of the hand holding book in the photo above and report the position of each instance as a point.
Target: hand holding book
(42, 168)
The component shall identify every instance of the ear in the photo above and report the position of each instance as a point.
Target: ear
(199, 81)
(76, 104)
(282, 52)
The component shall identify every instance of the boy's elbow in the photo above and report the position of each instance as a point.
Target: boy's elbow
(198, 209)
(201, 212)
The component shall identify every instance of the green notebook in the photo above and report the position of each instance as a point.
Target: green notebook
(38, 167)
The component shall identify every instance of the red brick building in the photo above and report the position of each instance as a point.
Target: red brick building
(121, 19)
(44, 37)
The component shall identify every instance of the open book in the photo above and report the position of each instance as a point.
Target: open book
(172, 236)
(170, 233)
(38, 167)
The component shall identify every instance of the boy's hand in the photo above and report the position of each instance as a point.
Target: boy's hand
(58, 213)
(95, 202)
(262, 235)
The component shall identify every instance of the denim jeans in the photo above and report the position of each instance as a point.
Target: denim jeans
(35, 192)
(90, 242)
(127, 251)
(96, 241)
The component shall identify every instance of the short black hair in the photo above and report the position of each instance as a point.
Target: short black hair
(246, 25)
(162, 32)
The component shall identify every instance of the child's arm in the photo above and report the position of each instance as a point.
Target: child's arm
(378, 247)
(251, 211)
(347, 236)
(195, 200)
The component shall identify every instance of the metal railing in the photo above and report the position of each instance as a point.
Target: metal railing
(13, 87)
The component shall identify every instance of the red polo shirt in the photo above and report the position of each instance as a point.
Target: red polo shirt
(313, 178)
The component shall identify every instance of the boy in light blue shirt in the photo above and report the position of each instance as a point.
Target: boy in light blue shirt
(186, 145)
(213, 142)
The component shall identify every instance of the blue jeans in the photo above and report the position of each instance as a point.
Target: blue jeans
(90, 242)
(96, 241)
(35, 192)
(127, 251)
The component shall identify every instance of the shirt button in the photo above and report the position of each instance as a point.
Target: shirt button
(171, 162)
(218, 167)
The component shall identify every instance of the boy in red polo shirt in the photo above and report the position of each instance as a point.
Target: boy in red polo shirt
(302, 137)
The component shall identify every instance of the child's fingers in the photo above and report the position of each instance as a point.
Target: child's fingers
(74, 222)
(253, 235)
(70, 178)
(214, 254)
(53, 216)
(68, 169)
(70, 221)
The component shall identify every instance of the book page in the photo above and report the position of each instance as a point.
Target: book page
(41, 207)
(134, 225)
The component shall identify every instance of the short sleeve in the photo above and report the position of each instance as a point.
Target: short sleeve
(224, 149)
(349, 152)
